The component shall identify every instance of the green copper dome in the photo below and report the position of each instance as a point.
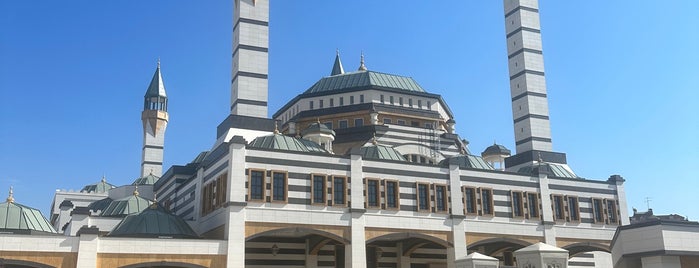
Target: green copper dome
(381, 152)
(126, 206)
(100, 187)
(286, 143)
(467, 161)
(20, 219)
(155, 221)
(146, 180)
(362, 79)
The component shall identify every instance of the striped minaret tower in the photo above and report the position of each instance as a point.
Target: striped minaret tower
(530, 111)
(250, 49)
(155, 118)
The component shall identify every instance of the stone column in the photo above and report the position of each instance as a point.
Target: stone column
(621, 196)
(458, 226)
(355, 255)
(87, 249)
(546, 211)
(235, 222)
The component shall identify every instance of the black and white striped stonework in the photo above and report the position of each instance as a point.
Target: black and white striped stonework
(527, 83)
(250, 58)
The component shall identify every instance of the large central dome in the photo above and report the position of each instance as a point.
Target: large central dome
(364, 79)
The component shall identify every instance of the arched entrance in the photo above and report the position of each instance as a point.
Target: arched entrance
(406, 250)
(8, 263)
(501, 248)
(163, 264)
(295, 247)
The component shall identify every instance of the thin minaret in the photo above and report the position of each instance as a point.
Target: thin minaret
(250, 49)
(530, 110)
(155, 118)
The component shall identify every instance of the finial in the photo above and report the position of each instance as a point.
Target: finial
(135, 191)
(10, 197)
(337, 52)
(158, 62)
(362, 67)
(540, 159)
(318, 120)
(104, 178)
(494, 142)
(373, 140)
(276, 129)
(155, 197)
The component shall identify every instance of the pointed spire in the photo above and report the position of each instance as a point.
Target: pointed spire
(10, 197)
(337, 66)
(362, 67)
(276, 128)
(156, 87)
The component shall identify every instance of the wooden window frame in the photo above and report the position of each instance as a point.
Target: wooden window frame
(491, 204)
(324, 189)
(378, 193)
(595, 211)
(521, 204)
(576, 209)
(339, 123)
(396, 194)
(286, 186)
(607, 203)
(429, 197)
(264, 185)
(474, 202)
(344, 190)
(562, 207)
(536, 206)
(355, 122)
(445, 197)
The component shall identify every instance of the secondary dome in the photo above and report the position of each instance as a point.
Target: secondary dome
(317, 127)
(381, 152)
(150, 179)
(153, 222)
(126, 206)
(100, 187)
(20, 219)
(286, 143)
(467, 161)
(364, 79)
(495, 149)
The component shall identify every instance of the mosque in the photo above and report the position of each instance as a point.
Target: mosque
(361, 169)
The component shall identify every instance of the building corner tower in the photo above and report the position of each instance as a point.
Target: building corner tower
(250, 58)
(530, 111)
(155, 118)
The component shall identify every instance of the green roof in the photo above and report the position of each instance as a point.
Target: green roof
(101, 187)
(147, 180)
(381, 152)
(100, 205)
(125, 206)
(17, 218)
(155, 221)
(468, 161)
(286, 143)
(364, 79)
(156, 88)
(556, 169)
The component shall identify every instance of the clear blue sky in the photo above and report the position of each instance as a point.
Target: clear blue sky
(622, 81)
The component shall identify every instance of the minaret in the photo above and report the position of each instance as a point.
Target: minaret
(250, 49)
(337, 66)
(155, 118)
(530, 110)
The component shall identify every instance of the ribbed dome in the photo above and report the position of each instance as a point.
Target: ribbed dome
(496, 149)
(20, 219)
(317, 128)
(100, 205)
(155, 221)
(364, 79)
(286, 143)
(467, 161)
(381, 152)
(100, 187)
(146, 180)
(126, 206)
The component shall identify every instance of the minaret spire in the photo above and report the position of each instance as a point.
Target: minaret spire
(337, 66)
(155, 118)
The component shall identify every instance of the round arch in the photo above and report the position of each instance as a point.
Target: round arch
(402, 236)
(22, 264)
(582, 247)
(298, 231)
(163, 264)
(496, 245)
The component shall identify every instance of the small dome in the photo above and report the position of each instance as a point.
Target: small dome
(126, 206)
(381, 152)
(100, 205)
(286, 143)
(496, 149)
(317, 127)
(155, 221)
(467, 161)
(146, 180)
(100, 187)
(19, 219)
